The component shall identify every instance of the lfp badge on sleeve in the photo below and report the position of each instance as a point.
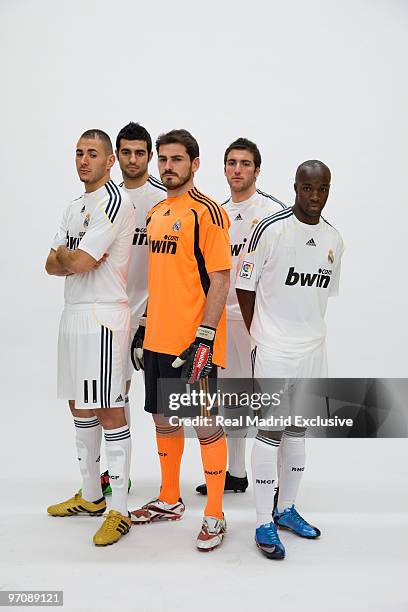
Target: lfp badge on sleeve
(246, 269)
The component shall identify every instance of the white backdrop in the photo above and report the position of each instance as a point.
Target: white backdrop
(303, 80)
(318, 79)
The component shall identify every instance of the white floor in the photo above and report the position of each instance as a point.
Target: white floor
(354, 490)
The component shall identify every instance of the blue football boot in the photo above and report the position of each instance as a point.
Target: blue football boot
(290, 519)
(268, 542)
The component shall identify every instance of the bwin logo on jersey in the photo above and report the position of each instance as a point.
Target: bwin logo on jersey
(237, 248)
(140, 237)
(73, 241)
(167, 246)
(319, 279)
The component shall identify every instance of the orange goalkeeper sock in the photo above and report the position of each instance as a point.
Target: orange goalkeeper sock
(214, 458)
(170, 446)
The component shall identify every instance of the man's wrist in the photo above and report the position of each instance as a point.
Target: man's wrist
(206, 333)
(62, 268)
(60, 253)
(64, 259)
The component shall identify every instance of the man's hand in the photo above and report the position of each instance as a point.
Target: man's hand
(53, 266)
(136, 349)
(78, 261)
(101, 260)
(197, 358)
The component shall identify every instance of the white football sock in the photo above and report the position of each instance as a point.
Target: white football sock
(236, 454)
(263, 461)
(88, 435)
(127, 410)
(292, 467)
(118, 452)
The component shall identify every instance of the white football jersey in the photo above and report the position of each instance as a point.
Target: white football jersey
(244, 216)
(143, 198)
(99, 222)
(293, 267)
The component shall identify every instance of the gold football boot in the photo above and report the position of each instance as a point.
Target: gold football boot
(78, 505)
(113, 528)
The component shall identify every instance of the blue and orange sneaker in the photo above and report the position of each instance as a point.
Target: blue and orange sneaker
(290, 519)
(268, 542)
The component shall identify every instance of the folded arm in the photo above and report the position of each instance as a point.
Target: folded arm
(78, 261)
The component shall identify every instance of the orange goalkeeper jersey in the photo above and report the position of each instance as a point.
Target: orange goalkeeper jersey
(188, 239)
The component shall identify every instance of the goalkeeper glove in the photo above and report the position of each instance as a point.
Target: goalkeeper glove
(136, 349)
(197, 358)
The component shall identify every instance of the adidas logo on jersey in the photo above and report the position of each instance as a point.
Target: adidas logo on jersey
(119, 398)
(310, 242)
(238, 217)
(167, 213)
(319, 279)
(83, 209)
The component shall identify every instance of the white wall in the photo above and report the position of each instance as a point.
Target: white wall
(316, 79)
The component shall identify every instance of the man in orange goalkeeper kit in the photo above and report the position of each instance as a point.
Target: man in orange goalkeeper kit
(183, 333)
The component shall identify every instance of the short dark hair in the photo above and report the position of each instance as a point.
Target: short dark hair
(107, 143)
(244, 144)
(134, 131)
(312, 164)
(180, 137)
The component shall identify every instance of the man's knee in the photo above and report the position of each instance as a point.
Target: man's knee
(78, 413)
(111, 418)
(164, 429)
(209, 432)
(160, 420)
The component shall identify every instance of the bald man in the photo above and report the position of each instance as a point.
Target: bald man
(289, 270)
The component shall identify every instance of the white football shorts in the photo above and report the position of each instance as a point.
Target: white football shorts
(291, 370)
(271, 364)
(93, 345)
